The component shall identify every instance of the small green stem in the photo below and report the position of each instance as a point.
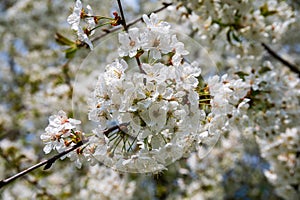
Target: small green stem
(202, 100)
(112, 139)
(99, 17)
(107, 23)
(116, 143)
(130, 145)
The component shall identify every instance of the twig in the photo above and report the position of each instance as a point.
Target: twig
(122, 15)
(112, 30)
(48, 163)
(292, 67)
(138, 61)
(117, 127)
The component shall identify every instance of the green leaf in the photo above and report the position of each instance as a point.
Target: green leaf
(70, 52)
(241, 74)
(235, 37)
(63, 40)
(264, 70)
(266, 12)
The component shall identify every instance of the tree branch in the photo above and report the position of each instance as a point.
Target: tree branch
(292, 67)
(48, 163)
(117, 127)
(123, 16)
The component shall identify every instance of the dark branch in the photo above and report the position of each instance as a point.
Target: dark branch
(292, 67)
(122, 15)
(117, 127)
(48, 163)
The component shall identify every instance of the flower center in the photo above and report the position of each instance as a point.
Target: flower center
(132, 43)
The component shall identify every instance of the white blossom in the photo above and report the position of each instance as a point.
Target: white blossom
(130, 42)
(74, 18)
(154, 23)
(57, 131)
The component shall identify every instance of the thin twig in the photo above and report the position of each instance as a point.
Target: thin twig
(117, 127)
(47, 164)
(292, 67)
(112, 30)
(138, 61)
(123, 16)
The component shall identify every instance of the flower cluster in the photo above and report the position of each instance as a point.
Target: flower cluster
(157, 39)
(162, 109)
(62, 133)
(158, 107)
(59, 132)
